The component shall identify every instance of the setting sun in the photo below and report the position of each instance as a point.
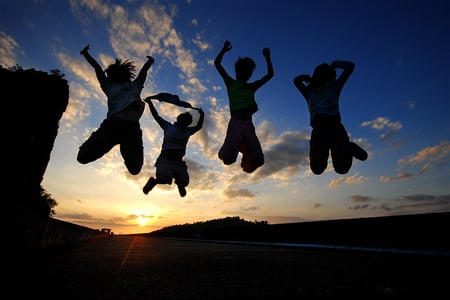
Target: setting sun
(142, 220)
(143, 217)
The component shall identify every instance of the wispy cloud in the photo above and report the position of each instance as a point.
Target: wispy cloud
(421, 161)
(399, 176)
(438, 155)
(8, 49)
(230, 192)
(354, 179)
(388, 127)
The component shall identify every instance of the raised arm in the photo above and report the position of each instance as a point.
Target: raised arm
(200, 120)
(299, 83)
(143, 72)
(269, 75)
(98, 69)
(347, 69)
(154, 113)
(218, 61)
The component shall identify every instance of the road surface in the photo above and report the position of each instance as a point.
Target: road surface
(139, 267)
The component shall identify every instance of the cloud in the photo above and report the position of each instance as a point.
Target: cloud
(144, 30)
(362, 202)
(406, 204)
(284, 155)
(78, 216)
(400, 176)
(424, 197)
(8, 49)
(357, 207)
(384, 124)
(93, 6)
(425, 159)
(201, 44)
(354, 179)
(359, 198)
(201, 176)
(409, 203)
(231, 192)
(438, 154)
(250, 208)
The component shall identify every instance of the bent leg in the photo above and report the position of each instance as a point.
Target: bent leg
(98, 144)
(181, 174)
(164, 171)
(131, 148)
(151, 183)
(342, 157)
(319, 150)
(341, 152)
(230, 149)
(181, 177)
(358, 152)
(252, 153)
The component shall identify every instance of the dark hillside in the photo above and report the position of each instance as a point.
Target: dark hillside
(418, 231)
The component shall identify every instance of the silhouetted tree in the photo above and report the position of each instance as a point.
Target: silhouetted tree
(48, 200)
(225, 228)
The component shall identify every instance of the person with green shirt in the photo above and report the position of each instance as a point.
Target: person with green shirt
(241, 134)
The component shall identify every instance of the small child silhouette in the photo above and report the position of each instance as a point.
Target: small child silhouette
(170, 164)
(328, 133)
(125, 108)
(241, 134)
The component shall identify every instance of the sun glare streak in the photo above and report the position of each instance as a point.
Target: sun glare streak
(125, 258)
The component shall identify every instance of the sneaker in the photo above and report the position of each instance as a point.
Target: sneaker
(358, 152)
(149, 185)
(182, 191)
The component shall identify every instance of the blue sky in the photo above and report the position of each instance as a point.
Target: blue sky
(396, 105)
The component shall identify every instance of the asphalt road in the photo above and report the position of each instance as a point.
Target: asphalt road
(138, 267)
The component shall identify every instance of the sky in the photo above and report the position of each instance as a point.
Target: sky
(395, 105)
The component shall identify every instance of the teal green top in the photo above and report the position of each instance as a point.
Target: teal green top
(241, 95)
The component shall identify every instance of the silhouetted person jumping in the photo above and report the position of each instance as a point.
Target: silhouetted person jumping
(125, 108)
(328, 133)
(241, 134)
(170, 164)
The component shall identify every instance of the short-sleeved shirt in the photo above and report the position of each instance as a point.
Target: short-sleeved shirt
(120, 96)
(175, 137)
(325, 100)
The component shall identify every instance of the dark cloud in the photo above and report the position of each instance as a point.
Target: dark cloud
(359, 198)
(236, 192)
(406, 204)
(200, 176)
(290, 153)
(399, 176)
(81, 216)
(356, 207)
